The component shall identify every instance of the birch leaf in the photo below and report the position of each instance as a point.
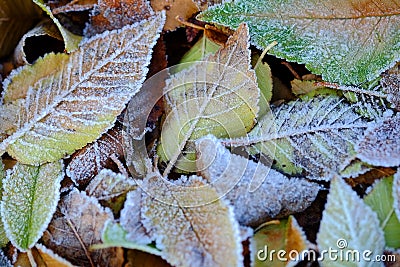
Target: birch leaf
(71, 40)
(348, 224)
(315, 135)
(380, 144)
(16, 18)
(380, 199)
(216, 96)
(30, 198)
(64, 102)
(76, 226)
(350, 43)
(232, 177)
(190, 230)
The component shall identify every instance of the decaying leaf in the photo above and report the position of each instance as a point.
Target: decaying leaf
(233, 176)
(303, 87)
(29, 200)
(76, 226)
(93, 158)
(189, 229)
(314, 135)
(216, 96)
(137, 258)
(381, 201)
(182, 8)
(49, 258)
(71, 40)
(380, 144)
(111, 14)
(348, 224)
(285, 235)
(391, 84)
(74, 6)
(350, 43)
(16, 17)
(44, 29)
(64, 102)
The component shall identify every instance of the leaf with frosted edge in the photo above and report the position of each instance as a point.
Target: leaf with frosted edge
(232, 175)
(189, 228)
(396, 194)
(29, 200)
(75, 98)
(3, 237)
(314, 135)
(49, 258)
(391, 85)
(71, 41)
(380, 145)
(347, 217)
(16, 18)
(380, 199)
(78, 224)
(350, 43)
(218, 95)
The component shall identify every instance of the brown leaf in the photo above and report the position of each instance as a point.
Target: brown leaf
(48, 258)
(391, 84)
(137, 258)
(72, 6)
(75, 227)
(114, 14)
(89, 161)
(182, 8)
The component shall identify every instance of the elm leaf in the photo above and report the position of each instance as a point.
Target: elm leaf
(348, 224)
(63, 102)
(350, 43)
(381, 200)
(29, 200)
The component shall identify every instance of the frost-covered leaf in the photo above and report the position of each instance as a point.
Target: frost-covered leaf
(348, 224)
(396, 194)
(111, 14)
(49, 258)
(29, 200)
(391, 84)
(190, 228)
(380, 199)
(16, 17)
(4, 261)
(3, 237)
(283, 235)
(76, 226)
(350, 43)
(233, 176)
(76, 5)
(380, 144)
(114, 235)
(63, 102)
(316, 136)
(218, 95)
(71, 40)
(93, 158)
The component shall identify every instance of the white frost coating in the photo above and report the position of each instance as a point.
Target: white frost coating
(380, 145)
(30, 198)
(346, 216)
(231, 176)
(91, 64)
(396, 193)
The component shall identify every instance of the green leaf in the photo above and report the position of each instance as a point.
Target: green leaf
(348, 43)
(16, 18)
(264, 81)
(62, 102)
(396, 194)
(349, 225)
(29, 200)
(190, 225)
(316, 136)
(216, 96)
(3, 237)
(380, 199)
(71, 40)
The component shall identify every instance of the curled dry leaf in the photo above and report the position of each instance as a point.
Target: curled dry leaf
(76, 226)
(231, 175)
(93, 158)
(63, 102)
(188, 228)
(380, 144)
(111, 14)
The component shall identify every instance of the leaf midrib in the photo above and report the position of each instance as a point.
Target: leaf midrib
(300, 17)
(31, 201)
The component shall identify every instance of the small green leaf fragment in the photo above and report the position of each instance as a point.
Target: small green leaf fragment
(30, 198)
